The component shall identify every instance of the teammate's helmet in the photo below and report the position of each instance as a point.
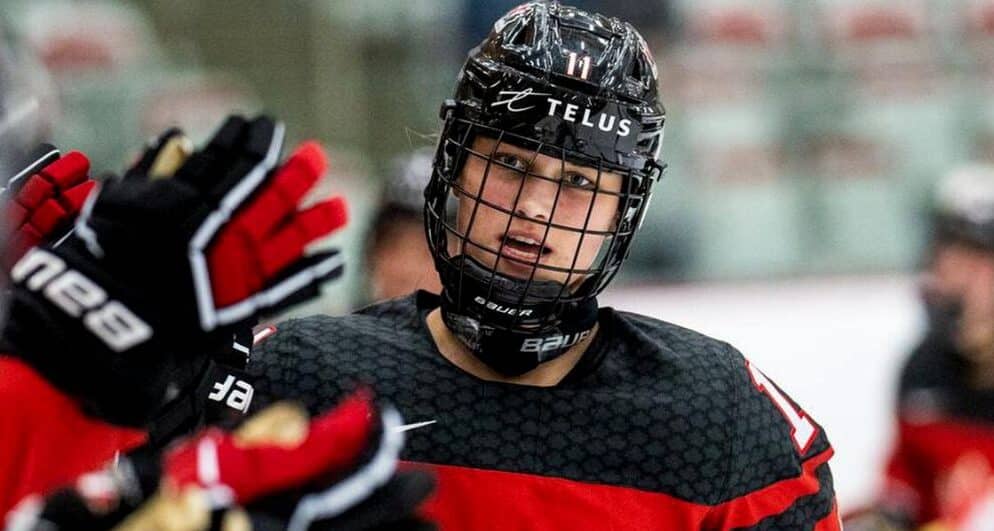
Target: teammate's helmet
(557, 82)
(405, 185)
(964, 210)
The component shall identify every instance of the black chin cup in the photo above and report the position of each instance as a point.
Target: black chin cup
(512, 325)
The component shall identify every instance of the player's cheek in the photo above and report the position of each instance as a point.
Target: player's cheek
(588, 251)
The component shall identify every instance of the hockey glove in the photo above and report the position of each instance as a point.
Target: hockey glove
(160, 271)
(43, 199)
(42, 202)
(338, 473)
(278, 471)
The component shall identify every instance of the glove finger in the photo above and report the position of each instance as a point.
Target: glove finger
(207, 163)
(140, 169)
(73, 198)
(71, 169)
(236, 161)
(282, 193)
(68, 171)
(305, 227)
(233, 266)
(50, 215)
(38, 158)
(16, 214)
(301, 281)
(247, 263)
(172, 155)
(60, 210)
(35, 191)
(237, 282)
(261, 149)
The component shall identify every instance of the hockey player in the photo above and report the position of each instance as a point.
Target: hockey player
(398, 257)
(942, 465)
(536, 408)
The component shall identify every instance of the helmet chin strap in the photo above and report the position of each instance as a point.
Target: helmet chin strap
(511, 325)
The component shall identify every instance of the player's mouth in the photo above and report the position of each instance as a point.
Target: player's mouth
(522, 247)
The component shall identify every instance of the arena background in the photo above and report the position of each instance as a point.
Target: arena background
(803, 138)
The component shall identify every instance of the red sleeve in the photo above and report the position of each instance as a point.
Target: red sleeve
(787, 504)
(932, 463)
(905, 485)
(47, 440)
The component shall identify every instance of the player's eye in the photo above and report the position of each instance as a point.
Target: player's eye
(578, 180)
(511, 162)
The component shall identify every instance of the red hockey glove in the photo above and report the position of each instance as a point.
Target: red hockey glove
(274, 450)
(338, 472)
(279, 470)
(43, 199)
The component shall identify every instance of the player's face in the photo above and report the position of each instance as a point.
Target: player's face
(964, 276)
(537, 189)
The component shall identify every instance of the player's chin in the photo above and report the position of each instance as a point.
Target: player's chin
(523, 270)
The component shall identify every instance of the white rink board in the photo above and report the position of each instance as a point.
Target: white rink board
(835, 345)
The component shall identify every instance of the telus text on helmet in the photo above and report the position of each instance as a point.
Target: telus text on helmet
(570, 112)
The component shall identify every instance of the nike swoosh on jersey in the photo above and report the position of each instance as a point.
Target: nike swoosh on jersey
(414, 426)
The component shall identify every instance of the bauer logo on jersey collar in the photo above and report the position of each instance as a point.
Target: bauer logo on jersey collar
(527, 99)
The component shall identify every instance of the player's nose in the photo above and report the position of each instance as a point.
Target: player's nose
(540, 190)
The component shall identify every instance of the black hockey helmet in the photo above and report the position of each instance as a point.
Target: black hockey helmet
(559, 82)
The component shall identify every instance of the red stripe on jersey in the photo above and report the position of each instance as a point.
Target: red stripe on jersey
(470, 498)
(774, 499)
(832, 522)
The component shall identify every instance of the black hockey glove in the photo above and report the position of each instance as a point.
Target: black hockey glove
(41, 202)
(161, 271)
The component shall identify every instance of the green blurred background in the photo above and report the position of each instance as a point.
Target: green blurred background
(803, 136)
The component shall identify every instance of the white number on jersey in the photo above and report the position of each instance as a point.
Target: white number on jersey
(801, 428)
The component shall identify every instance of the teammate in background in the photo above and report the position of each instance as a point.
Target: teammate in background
(942, 465)
(536, 408)
(397, 256)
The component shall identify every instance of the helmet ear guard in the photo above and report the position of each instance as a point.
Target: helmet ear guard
(557, 82)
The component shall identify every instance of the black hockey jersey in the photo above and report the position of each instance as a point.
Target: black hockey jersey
(657, 427)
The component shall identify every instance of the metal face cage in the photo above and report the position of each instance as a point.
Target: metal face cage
(574, 247)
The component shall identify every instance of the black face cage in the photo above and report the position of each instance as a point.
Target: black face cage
(457, 270)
